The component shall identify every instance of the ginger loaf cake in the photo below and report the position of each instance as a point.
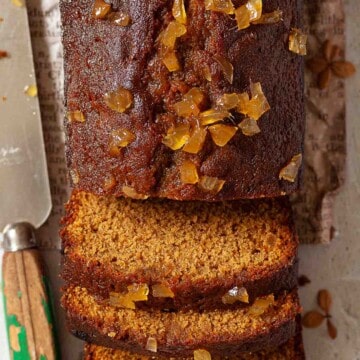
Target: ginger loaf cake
(181, 255)
(185, 99)
(292, 350)
(268, 323)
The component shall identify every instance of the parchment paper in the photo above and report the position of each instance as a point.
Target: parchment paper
(324, 174)
(325, 141)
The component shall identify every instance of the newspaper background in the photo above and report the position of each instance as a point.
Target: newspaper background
(44, 20)
(45, 28)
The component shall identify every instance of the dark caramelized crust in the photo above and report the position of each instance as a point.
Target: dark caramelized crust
(100, 57)
(198, 250)
(179, 334)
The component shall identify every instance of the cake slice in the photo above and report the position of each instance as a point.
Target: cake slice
(292, 350)
(190, 255)
(268, 323)
(133, 125)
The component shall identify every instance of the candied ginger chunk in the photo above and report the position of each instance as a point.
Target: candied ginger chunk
(242, 16)
(251, 13)
(291, 170)
(186, 108)
(122, 138)
(261, 305)
(224, 6)
(170, 60)
(226, 67)
(177, 137)
(297, 42)
(196, 141)
(109, 182)
(100, 9)
(121, 301)
(119, 100)
(249, 127)
(136, 292)
(236, 294)
(75, 116)
(213, 116)
(257, 106)
(222, 134)
(255, 9)
(151, 344)
(120, 18)
(207, 73)
(202, 355)
(173, 31)
(195, 95)
(258, 103)
(133, 194)
(229, 101)
(179, 12)
(270, 18)
(162, 291)
(211, 184)
(256, 89)
(243, 102)
(189, 173)
(75, 176)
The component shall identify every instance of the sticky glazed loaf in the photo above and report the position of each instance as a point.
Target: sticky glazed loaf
(198, 255)
(123, 118)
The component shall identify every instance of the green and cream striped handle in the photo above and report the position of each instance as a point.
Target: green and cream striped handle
(28, 309)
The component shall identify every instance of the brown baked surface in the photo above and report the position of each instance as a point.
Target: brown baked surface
(292, 350)
(179, 334)
(198, 250)
(100, 56)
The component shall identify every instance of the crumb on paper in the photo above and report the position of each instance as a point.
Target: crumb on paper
(31, 90)
(325, 139)
(18, 3)
(3, 54)
(4, 98)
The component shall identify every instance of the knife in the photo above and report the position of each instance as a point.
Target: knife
(25, 201)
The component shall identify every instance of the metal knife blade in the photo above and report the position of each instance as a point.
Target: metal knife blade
(24, 182)
(25, 200)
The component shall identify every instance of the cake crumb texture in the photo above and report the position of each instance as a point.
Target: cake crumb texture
(179, 334)
(198, 250)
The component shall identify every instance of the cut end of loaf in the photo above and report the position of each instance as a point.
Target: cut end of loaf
(179, 334)
(292, 350)
(197, 250)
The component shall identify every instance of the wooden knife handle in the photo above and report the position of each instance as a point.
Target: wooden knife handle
(28, 307)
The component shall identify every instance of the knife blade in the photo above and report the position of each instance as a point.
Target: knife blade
(25, 194)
